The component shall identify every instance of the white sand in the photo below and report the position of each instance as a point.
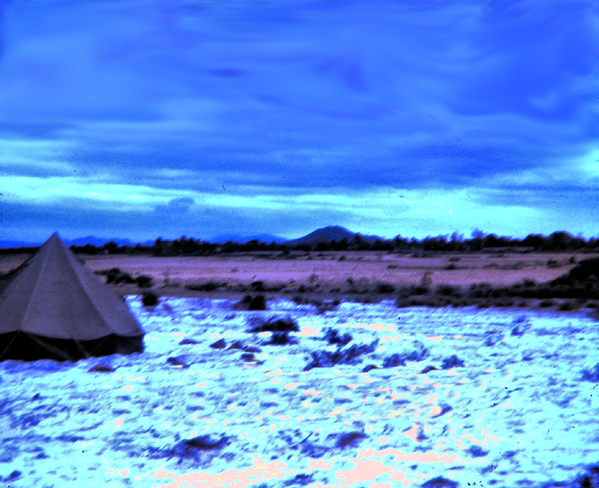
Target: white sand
(534, 420)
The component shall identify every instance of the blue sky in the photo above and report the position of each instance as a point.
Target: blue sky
(147, 118)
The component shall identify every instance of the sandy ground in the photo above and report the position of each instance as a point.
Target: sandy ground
(514, 412)
(333, 269)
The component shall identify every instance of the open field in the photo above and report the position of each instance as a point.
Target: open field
(355, 276)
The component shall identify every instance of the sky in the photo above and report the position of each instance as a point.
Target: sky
(161, 118)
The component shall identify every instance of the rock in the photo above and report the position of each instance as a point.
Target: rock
(252, 349)
(440, 482)
(187, 341)
(190, 448)
(300, 480)
(428, 369)
(248, 357)
(15, 475)
(220, 344)
(452, 362)
(236, 345)
(369, 367)
(101, 368)
(176, 362)
(477, 451)
(349, 439)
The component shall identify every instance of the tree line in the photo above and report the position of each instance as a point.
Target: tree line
(187, 246)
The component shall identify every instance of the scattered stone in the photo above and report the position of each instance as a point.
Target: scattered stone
(187, 341)
(393, 361)
(313, 450)
(349, 439)
(176, 362)
(493, 339)
(443, 411)
(15, 475)
(477, 451)
(236, 345)
(440, 482)
(220, 344)
(369, 367)
(452, 362)
(190, 448)
(300, 479)
(248, 357)
(429, 368)
(252, 349)
(101, 368)
(591, 375)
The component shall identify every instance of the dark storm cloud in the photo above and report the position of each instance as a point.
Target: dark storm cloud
(298, 98)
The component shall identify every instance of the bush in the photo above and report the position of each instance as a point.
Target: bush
(385, 288)
(393, 361)
(452, 362)
(448, 291)
(350, 355)
(249, 302)
(333, 337)
(144, 281)
(274, 324)
(548, 302)
(281, 339)
(149, 298)
(208, 286)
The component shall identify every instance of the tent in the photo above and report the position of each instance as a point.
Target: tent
(54, 307)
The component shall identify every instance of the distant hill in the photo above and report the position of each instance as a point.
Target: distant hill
(329, 234)
(17, 244)
(80, 241)
(241, 239)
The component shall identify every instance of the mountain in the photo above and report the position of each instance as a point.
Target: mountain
(329, 234)
(241, 239)
(17, 244)
(80, 241)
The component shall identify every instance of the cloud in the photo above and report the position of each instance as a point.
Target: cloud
(176, 206)
(279, 101)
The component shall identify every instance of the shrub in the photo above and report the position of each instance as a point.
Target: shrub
(111, 274)
(333, 337)
(350, 355)
(274, 324)
(548, 302)
(393, 361)
(448, 291)
(452, 362)
(385, 288)
(257, 285)
(144, 281)
(208, 286)
(281, 339)
(149, 298)
(249, 302)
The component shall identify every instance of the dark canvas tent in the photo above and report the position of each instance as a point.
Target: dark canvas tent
(54, 307)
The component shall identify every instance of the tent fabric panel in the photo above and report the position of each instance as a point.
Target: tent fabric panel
(56, 296)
